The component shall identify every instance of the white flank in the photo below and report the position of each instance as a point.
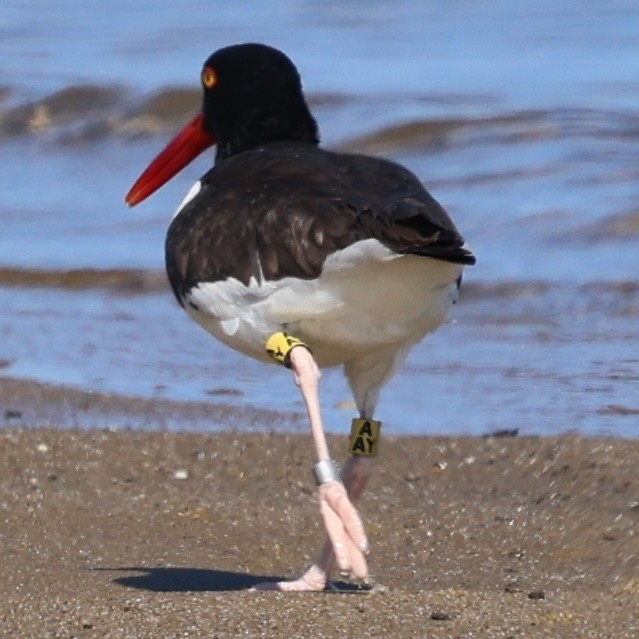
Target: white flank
(366, 299)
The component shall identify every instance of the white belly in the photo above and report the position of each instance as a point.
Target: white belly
(366, 298)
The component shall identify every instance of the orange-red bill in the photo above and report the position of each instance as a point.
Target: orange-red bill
(184, 148)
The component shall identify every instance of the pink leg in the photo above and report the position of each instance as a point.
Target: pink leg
(355, 475)
(347, 544)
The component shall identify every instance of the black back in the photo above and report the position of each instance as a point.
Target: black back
(279, 211)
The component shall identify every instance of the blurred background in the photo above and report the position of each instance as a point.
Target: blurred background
(522, 119)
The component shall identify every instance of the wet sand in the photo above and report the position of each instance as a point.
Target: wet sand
(151, 534)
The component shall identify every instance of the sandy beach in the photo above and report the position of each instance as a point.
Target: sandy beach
(151, 534)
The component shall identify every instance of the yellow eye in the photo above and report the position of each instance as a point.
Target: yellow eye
(209, 78)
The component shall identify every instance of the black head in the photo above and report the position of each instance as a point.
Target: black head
(252, 96)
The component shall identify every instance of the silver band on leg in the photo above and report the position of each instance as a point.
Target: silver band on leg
(325, 471)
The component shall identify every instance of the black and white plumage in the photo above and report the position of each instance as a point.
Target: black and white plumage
(348, 253)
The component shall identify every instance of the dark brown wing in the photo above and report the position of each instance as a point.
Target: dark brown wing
(280, 210)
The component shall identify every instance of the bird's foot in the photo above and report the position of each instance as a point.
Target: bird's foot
(313, 580)
(345, 530)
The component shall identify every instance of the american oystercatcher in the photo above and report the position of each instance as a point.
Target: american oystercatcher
(291, 253)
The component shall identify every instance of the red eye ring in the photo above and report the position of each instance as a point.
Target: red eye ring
(209, 78)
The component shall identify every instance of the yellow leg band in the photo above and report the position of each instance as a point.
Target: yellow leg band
(280, 345)
(364, 437)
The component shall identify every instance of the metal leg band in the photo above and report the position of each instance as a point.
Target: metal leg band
(280, 345)
(325, 471)
(364, 438)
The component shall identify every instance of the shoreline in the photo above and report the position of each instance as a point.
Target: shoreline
(26, 403)
(29, 403)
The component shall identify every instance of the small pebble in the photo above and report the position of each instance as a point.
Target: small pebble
(42, 448)
(438, 615)
(504, 432)
(537, 594)
(181, 473)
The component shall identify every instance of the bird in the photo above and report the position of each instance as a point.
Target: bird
(305, 257)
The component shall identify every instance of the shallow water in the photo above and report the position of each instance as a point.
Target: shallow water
(521, 119)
